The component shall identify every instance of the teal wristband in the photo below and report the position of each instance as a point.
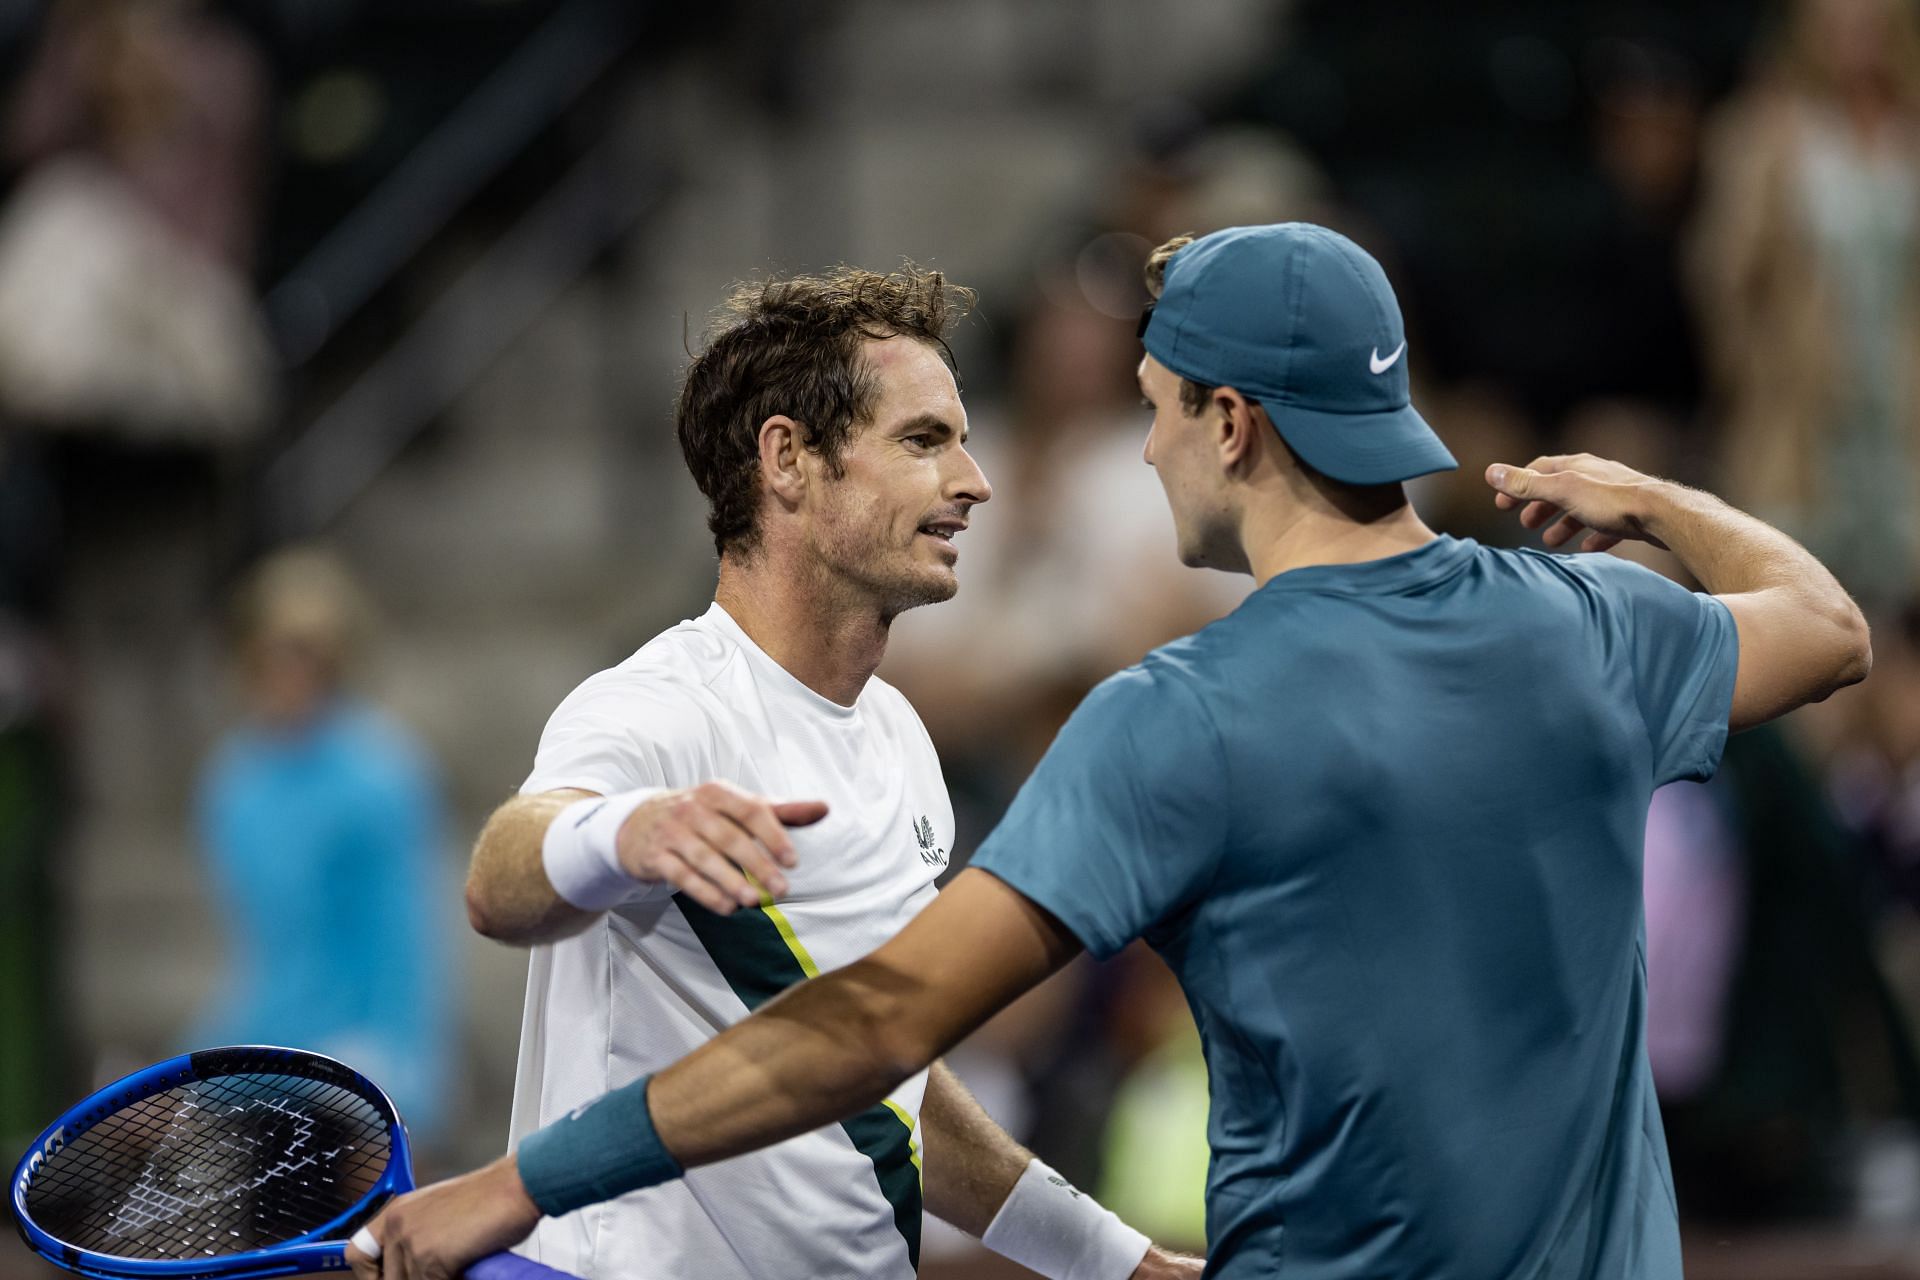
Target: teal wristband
(596, 1152)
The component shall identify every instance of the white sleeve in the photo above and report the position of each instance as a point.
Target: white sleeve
(625, 729)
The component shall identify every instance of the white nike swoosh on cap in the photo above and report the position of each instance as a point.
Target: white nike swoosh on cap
(1378, 365)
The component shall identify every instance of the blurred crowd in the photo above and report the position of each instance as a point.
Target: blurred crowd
(1685, 237)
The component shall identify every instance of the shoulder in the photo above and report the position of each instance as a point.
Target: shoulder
(1617, 576)
(887, 700)
(1160, 699)
(1583, 572)
(897, 718)
(1649, 612)
(670, 676)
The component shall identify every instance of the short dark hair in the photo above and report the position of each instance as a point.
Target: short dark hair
(792, 346)
(1194, 396)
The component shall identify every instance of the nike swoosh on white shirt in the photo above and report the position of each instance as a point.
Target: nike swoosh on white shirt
(1378, 365)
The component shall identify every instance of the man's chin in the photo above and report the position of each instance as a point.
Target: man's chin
(942, 586)
(930, 588)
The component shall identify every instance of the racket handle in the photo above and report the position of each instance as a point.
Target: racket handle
(511, 1266)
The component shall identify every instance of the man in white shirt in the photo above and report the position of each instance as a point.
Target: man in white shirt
(667, 901)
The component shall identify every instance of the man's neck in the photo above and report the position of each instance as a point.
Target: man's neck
(827, 644)
(1353, 529)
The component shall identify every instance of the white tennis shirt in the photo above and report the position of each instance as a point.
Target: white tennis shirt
(652, 980)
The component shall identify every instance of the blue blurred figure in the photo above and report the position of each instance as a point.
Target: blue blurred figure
(322, 823)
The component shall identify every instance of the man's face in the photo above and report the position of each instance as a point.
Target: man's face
(1184, 454)
(887, 524)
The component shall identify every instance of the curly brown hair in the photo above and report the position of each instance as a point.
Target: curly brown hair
(792, 346)
(1194, 396)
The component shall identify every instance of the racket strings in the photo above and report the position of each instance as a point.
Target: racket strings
(227, 1165)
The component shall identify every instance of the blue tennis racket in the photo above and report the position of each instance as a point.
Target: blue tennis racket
(247, 1161)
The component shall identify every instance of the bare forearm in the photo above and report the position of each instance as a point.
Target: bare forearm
(509, 897)
(824, 1050)
(971, 1163)
(1728, 551)
(836, 1044)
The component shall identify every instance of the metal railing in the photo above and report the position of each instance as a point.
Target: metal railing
(470, 147)
(461, 333)
(346, 447)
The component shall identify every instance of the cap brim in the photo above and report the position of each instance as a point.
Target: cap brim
(1363, 448)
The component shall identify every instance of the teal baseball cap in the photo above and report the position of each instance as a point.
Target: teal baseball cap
(1302, 320)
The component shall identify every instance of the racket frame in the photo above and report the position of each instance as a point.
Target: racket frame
(322, 1249)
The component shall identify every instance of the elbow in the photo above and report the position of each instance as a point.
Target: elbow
(480, 915)
(1855, 659)
(903, 1052)
(486, 910)
(898, 1033)
(492, 916)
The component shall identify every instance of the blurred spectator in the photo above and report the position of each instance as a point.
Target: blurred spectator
(322, 825)
(1806, 258)
(124, 301)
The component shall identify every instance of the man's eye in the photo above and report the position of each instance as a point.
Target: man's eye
(923, 440)
(1147, 404)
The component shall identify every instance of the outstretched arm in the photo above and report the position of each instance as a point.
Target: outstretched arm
(824, 1049)
(830, 1047)
(1801, 635)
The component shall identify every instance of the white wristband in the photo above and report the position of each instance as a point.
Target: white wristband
(581, 852)
(1064, 1234)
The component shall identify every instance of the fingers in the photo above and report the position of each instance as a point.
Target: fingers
(722, 846)
(718, 844)
(726, 855)
(1517, 484)
(1601, 542)
(800, 813)
(1563, 531)
(1543, 491)
(760, 819)
(1537, 515)
(706, 877)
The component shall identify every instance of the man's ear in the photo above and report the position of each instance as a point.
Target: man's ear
(1237, 428)
(780, 467)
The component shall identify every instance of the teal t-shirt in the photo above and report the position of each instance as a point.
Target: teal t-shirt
(1385, 821)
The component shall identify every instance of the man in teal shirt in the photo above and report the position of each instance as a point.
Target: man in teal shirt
(1384, 822)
